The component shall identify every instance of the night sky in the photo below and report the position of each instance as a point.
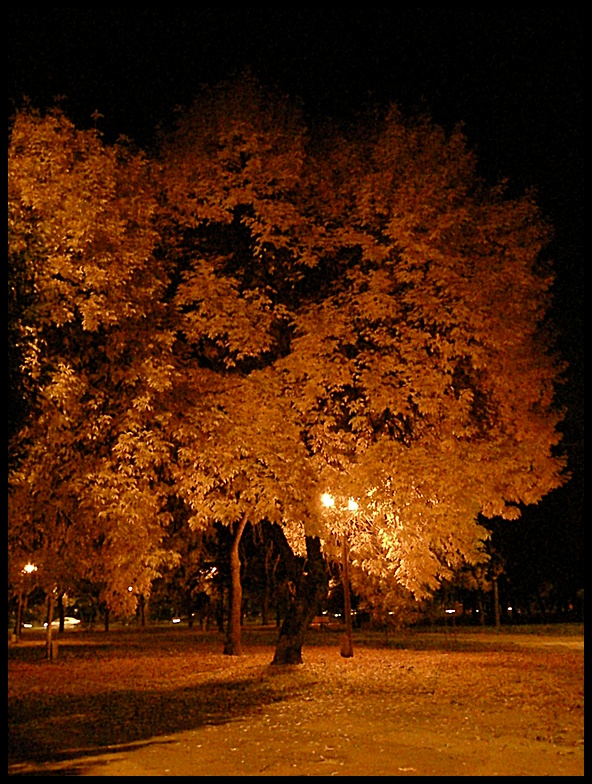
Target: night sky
(512, 78)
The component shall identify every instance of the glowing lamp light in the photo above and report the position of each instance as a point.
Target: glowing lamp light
(29, 568)
(328, 501)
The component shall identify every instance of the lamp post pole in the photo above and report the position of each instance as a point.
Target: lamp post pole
(29, 568)
(347, 644)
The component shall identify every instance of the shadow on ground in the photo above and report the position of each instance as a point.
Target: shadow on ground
(116, 721)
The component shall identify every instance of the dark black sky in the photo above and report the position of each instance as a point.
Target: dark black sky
(514, 78)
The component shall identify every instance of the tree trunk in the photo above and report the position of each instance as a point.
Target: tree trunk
(61, 612)
(142, 611)
(269, 571)
(232, 645)
(481, 610)
(496, 606)
(220, 609)
(309, 590)
(20, 610)
(51, 645)
(265, 608)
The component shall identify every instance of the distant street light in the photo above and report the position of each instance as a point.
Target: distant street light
(23, 592)
(347, 644)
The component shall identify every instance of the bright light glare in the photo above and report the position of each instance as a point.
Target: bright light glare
(176, 620)
(327, 499)
(29, 568)
(352, 505)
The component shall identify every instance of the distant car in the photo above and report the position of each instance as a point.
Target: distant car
(68, 622)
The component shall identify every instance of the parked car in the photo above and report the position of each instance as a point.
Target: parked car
(69, 622)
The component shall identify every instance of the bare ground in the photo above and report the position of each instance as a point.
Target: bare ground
(468, 703)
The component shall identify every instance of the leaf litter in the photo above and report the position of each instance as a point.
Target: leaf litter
(492, 710)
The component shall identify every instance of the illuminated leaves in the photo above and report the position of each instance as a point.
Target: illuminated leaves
(83, 212)
(261, 313)
(94, 354)
(212, 307)
(424, 387)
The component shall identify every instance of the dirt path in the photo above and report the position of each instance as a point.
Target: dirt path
(515, 712)
(292, 742)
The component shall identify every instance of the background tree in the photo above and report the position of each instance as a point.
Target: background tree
(92, 347)
(187, 588)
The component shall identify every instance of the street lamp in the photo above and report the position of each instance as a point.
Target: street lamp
(347, 645)
(328, 500)
(23, 594)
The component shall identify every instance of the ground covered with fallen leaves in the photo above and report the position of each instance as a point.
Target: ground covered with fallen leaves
(167, 702)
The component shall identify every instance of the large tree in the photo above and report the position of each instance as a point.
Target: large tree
(425, 380)
(88, 452)
(267, 312)
(422, 370)
(393, 305)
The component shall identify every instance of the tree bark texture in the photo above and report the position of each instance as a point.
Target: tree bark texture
(20, 610)
(233, 645)
(61, 612)
(51, 644)
(307, 592)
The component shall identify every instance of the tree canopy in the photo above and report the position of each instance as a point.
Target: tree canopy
(259, 312)
(87, 324)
